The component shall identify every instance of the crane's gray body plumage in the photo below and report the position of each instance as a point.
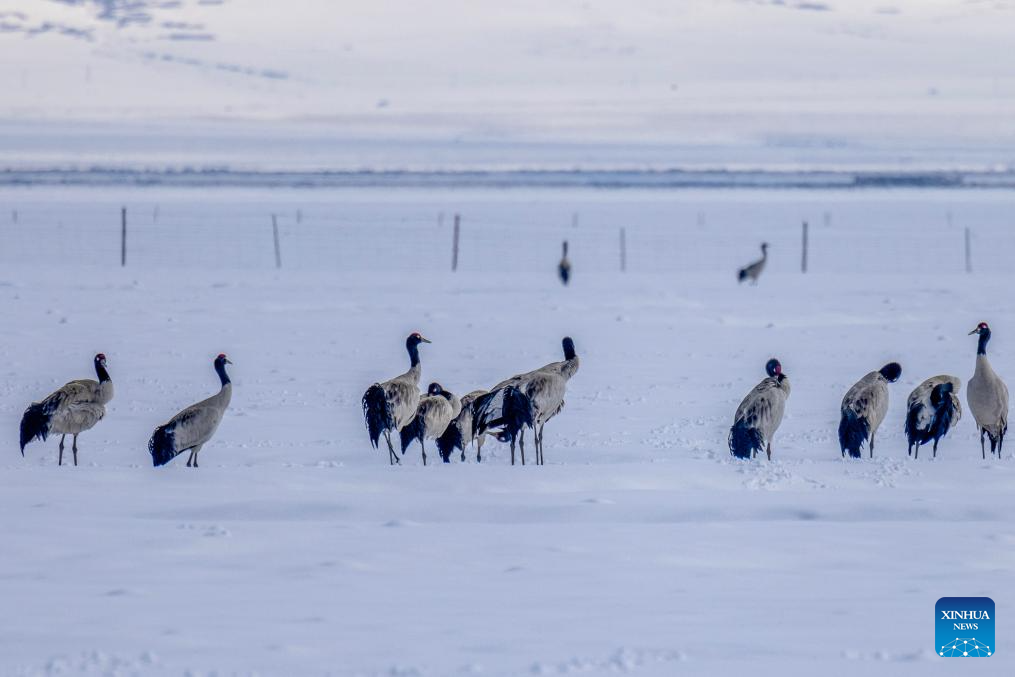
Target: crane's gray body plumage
(863, 410)
(70, 410)
(760, 415)
(391, 405)
(987, 396)
(544, 388)
(193, 427)
(460, 433)
(927, 419)
(433, 414)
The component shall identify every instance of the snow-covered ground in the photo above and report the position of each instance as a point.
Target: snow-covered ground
(640, 548)
(453, 82)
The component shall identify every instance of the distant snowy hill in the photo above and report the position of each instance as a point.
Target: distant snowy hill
(785, 80)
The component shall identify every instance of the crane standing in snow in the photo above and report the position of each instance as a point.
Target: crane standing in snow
(564, 267)
(461, 431)
(931, 410)
(987, 396)
(74, 408)
(543, 389)
(760, 414)
(193, 427)
(390, 406)
(433, 415)
(754, 270)
(864, 408)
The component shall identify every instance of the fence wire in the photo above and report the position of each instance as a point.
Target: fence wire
(858, 232)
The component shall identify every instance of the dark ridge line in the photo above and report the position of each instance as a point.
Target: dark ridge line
(218, 177)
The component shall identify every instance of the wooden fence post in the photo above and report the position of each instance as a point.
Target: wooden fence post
(803, 259)
(123, 237)
(969, 251)
(454, 244)
(278, 248)
(623, 250)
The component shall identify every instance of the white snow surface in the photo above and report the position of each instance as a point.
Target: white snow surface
(641, 548)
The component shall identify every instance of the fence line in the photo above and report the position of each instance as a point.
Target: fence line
(515, 237)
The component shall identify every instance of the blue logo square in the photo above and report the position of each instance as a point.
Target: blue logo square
(964, 627)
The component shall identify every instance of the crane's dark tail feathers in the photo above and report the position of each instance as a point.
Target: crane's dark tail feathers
(162, 445)
(450, 440)
(941, 397)
(853, 432)
(377, 413)
(34, 425)
(742, 275)
(413, 431)
(516, 414)
(745, 440)
(914, 435)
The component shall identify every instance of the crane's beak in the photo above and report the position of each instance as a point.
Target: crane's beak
(425, 340)
(228, 361)
(975, 331)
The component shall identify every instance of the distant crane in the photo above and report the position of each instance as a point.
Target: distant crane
(191, 429)
(74, 408)
(987, 396)
(391, 405)
(864, 408)
(754, 270)
(564, 267)
(760, 414)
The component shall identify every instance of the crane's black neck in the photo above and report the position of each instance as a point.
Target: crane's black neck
(100, 371)
(981, 347)
(220, 369)
(413, 349)
(568, 345)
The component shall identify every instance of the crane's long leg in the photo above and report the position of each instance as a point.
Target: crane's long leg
(521, 445)
(479, 448)
(196, 451)
(917, 454)
(872, 445)
(542, 459)
(983, 450)
(392, 456)
(935, 448)
(74, 448)
(512, 450)
(190, 459)
(769, 451)
(60, 461)
(423, 447)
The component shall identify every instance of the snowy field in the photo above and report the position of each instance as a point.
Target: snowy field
(640, 548)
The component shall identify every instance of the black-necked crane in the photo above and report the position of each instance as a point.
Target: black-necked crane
(193, 427)
(433, 414)
(72, 409)
(504, 412)
(931, 410)
(754, 270)
(760, 414)
(460, 433)
(564, 267)
(864, 408)
(987, 396)
(544, 388)
(391, 405)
